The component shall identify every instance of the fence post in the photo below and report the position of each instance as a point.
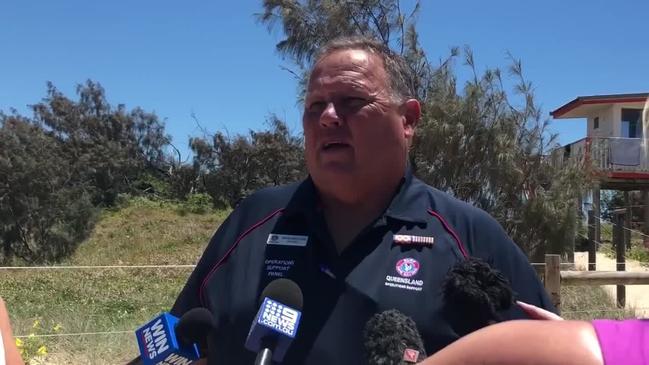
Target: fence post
(592, 244)
(597, 214)
(553, 279)
(620, 246)
(628, 218)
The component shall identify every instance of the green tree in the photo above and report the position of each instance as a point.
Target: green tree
(233, 167)
(69, 159)
(108, 147)
(44, 210)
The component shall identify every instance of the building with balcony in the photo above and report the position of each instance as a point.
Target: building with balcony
(616, 145)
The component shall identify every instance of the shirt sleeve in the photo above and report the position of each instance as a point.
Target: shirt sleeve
(623, 342)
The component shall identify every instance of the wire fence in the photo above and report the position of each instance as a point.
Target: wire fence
(640, 233)
(599, 311)
(603, 310)
(569, 265)
(132, 331)
(96, 267)
(193, 266)
(65, 268)
(75, 334)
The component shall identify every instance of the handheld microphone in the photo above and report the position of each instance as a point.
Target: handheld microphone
(167, 340)
(197, 326)
(476, 292)
(276, 322)
(392, 338)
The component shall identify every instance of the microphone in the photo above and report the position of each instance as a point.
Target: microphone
(476, 292)
(276, 322)
(197, 326)
(167, 340)
(392, 338)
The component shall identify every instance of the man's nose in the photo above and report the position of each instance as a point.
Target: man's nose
(330, 117)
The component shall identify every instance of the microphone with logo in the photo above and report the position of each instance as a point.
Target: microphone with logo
(276, 322)
(392, 338)
(167, 340)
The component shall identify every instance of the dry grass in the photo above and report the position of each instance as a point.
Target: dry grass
(590, 302)
(105, 300)
(148, 232)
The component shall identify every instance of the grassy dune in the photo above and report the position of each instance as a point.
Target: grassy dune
(109, 300)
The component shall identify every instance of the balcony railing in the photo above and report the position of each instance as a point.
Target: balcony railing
(608, 154)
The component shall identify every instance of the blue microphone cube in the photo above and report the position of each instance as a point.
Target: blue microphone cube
(158, 343)
(275, 321)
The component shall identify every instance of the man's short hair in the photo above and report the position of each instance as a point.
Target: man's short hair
(397, 69)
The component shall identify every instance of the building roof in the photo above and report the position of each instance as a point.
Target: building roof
(579, 107)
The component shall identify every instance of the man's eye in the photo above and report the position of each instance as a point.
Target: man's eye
(316, 107)
(354, 102)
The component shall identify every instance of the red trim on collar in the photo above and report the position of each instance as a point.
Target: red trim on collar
(450, 230)
(231, 249)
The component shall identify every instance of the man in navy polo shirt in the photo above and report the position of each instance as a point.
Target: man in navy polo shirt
(360, 235)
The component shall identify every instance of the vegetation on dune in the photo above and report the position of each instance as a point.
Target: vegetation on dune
(142, 232)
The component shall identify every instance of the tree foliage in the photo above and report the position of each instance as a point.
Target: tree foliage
(44, 209)
(479, 141)
(233, 167)
(73, 157)
(108, 147)
(61, 164)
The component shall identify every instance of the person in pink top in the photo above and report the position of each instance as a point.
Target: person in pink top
(550, 342)
(623, 342)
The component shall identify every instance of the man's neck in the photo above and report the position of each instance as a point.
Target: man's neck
(346, 219)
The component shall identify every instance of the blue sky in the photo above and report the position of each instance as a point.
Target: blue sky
(214, 60)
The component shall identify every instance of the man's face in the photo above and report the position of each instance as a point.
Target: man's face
(353, 129)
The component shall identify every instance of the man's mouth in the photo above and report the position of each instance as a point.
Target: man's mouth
(333, 145)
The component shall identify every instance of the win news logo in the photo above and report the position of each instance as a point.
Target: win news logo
(159, 346)
(279, 317)
(155, 339)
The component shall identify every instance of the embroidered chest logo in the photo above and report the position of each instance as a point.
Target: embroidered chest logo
(407, 267)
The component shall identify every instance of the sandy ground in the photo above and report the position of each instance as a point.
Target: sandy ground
(637, 296)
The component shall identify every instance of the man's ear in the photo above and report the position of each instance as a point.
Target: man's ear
(412, 114)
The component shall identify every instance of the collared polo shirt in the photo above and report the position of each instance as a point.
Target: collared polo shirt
(399, 261)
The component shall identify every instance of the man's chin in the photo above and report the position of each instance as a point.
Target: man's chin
(336, 169)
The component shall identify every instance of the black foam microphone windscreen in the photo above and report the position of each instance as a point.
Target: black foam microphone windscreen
(476, 292)
(392, 338)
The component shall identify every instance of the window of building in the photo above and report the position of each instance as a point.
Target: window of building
(631, 123)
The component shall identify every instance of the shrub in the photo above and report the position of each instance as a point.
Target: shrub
(197, 203)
